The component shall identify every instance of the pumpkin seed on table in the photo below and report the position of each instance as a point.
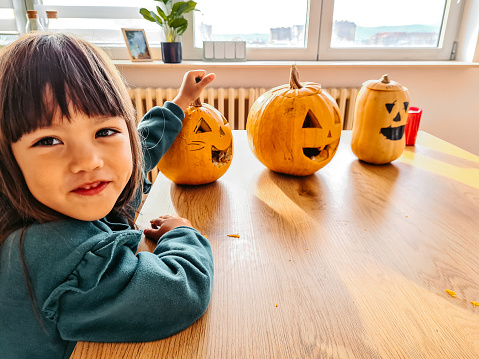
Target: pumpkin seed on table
(451, 293)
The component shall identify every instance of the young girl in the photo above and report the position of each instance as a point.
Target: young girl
(71, 173)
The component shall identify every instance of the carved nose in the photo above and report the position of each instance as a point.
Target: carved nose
(397, 118)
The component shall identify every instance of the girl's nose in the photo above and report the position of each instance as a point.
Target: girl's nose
(85, 159)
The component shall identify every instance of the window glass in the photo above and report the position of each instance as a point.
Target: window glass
(8, 26)
(6, 14)
(116, 3)
(99, 25)
(387, 23)
(265, 23)
(108, 31)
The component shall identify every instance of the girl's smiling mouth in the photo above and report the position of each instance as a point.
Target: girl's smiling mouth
(91, 189)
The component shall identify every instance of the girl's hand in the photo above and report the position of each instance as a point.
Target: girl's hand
(190, 90)
(163, 224)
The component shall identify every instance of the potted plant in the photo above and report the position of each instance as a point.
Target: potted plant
(169, 15)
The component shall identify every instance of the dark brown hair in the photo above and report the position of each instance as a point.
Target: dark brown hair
(78, 74)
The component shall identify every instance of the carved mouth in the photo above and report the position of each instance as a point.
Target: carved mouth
(221, 157)
(318, 154)
(393, 133)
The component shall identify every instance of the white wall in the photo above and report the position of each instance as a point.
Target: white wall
(448, 94)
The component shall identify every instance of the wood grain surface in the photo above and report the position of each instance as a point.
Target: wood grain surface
(351, 262)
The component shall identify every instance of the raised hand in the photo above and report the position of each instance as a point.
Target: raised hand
(190, 89)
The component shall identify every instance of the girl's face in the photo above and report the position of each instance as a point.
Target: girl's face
(77, 168)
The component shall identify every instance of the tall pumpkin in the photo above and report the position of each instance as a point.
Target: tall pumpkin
(203, 150)
(380, 116)
(294, 129)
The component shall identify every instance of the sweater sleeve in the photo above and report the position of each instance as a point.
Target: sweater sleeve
(158, 130)
(114, 295)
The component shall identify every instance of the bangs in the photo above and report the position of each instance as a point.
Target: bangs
(58, 71)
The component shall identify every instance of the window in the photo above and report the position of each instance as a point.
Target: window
(333, 29)
(100, 21)
(407, 23)
(272, 29)
(282, 28)
(276, 29)
(389, 29)
(9, 25)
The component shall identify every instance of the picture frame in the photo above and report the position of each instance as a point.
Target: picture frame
(137, 45)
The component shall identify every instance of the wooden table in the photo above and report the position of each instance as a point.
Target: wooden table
(352, 262)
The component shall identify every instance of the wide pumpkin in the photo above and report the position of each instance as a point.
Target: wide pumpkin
(203, 150)
(294, 129)
(380, 117)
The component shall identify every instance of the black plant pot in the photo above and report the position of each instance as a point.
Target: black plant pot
(171, 52)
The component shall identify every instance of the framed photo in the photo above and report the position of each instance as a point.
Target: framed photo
(137, 45)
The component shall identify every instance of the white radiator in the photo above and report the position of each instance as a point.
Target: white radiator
(234, 103)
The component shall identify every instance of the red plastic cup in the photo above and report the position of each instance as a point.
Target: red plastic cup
(412, 125)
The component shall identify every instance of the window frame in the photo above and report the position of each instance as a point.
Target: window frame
(318, 36)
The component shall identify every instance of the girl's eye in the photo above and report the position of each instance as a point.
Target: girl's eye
(47, 141)
(105, 132)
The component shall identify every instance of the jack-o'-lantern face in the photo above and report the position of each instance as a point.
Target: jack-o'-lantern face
(380, 117)
(294, 130)
(319, 132)
(395, 131)
(202, 151)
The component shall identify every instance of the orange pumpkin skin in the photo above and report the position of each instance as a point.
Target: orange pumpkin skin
(380, 117)
(203, 150)
(294, 131)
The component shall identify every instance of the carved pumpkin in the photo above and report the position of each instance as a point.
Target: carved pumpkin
(202, 151)
(294, 129)
(380, 116)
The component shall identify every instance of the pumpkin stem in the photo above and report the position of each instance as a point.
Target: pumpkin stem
(294, 78)
(384, 79)
(196, 103)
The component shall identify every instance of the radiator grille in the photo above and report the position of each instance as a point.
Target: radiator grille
(234, 103)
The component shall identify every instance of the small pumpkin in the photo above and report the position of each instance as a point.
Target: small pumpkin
(295, 128)
(380, 117)
(203, 150)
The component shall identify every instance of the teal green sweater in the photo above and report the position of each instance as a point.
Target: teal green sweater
(88, 284)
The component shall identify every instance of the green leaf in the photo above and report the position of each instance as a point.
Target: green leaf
(176, 23)
(170, 15)
(183, 7)
(161, 13)
(182, 28)
(157, 19)
(178, 8)
(146, 14)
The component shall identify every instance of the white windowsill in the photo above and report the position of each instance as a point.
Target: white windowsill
(246, 64)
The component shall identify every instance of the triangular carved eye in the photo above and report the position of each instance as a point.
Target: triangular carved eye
(202, 126)
(406, 106)
(222, 133)
(390, 106)
(310, 121)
